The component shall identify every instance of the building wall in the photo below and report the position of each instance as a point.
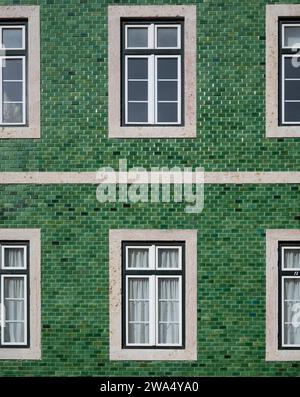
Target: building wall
(75, 227)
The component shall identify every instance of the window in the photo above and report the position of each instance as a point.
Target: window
(283, 295)
(152, 63)
(289, 294)
(153, 291)
(282, 70)
(19, 72)
(20, 322)
(13, 73)
(152, 91)
(153, 294)
(14, 293)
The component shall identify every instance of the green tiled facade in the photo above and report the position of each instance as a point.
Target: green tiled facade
(74, 226)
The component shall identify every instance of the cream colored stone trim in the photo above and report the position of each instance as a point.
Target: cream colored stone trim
(272, 239)
(273, 13)
(34, 351)
(115, 271)
(32, 14)
(92, 178)
(115, 13)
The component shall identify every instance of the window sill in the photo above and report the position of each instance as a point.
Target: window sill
(153, 132)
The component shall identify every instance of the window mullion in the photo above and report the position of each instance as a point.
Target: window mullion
(151, 96)
(152, 310)
(2, 309)
(1, 93)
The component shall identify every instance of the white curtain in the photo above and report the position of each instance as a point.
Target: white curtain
(138, 258)
(291, 258)
(14, 309)
(138, 316)
(167, 258)
(14, 257)
(291, 308)
(168, 321)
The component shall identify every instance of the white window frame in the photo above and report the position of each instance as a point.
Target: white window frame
(283, 79)
(284, 25)
(282, 311)
(150, 36)
(282, 258)
(5, 27)
(157, 26)
(116, 283)
(151, 256)
(4, 321)
(158, 247)
(23, 58)
(3, 247)
(189, 109)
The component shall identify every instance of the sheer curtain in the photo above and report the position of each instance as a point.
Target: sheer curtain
(14, 257)
(292, 258)
(291, 308)
(168, 312)
(138, 307)
(138, 258)
(168, 258)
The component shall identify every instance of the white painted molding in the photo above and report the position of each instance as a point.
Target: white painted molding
(94, 178)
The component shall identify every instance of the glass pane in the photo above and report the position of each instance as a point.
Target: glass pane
(291, 258)
(14, 310)
(167, 68)
(166, 37)
(14, 333)
(168, 311)
(14, 257)
(137, 37)
(12, 113)
(168, 258)
(167, 90)
(12, 38)
(138, 257)
(138, 333)
(137, 68)
(292, 311)
(137, 90)
(138, 316)
(167, 113)
(12, 91)
(292, 67)
(168, 333)
(138, 112)
(292, 90)
(13, 288)
(292, 111)
(12, 69)
(292, 36)
(168, 288)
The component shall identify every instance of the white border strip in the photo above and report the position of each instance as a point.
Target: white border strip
(58, 178)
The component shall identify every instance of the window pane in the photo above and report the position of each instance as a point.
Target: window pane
(12, 69)
(168, 310)
(167, 90)
(137, 68)
(167, 112)
(12, 91)
(168, 258)
(292, 36)
(137, 112)
(12, 113)
(14, 309)
(167, 68)
(166, 37)
(12, 38)
(292, 111)
(138, 316)
(14, 257)
(291, 258)
(137, 90)
(137, 37)
(292, 67)
(291, 311)
(292, 90)
(138, 257)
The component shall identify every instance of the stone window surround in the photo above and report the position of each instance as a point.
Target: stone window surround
(32, 14)
(34, 238)
(273, 236)
(115, 13)
(116, 236)
(273, 13)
